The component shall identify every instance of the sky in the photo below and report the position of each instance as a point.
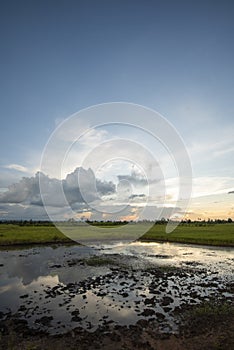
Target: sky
(61, 57)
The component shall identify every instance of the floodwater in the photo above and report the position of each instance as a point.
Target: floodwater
(216, 259)
(54, 289)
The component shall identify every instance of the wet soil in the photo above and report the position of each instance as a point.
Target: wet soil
(117, 302)
(195, 333)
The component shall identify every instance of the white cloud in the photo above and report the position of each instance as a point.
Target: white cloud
(224, 151)
(17, 167)
(205, 186)
(211, 144)
(93, 137)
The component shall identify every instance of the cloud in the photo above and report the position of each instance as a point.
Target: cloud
(136, 196)
(23, 212)
(57, 193)
(25, 191)
(153, 212)
(17, 167)
(204, 186)
(79, 194)
(93, 137)
(8, 177)
(136, 179)
(82, 183)
(82, 193)
(131, 212)
(211, 147)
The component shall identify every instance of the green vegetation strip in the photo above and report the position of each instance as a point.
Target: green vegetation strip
(11, 234)
(210, 234)
(207, 234)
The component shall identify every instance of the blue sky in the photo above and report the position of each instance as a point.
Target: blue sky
(176, 57)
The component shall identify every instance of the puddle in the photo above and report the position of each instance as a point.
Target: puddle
(55, 290)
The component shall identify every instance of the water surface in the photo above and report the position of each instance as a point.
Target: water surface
(55, 290)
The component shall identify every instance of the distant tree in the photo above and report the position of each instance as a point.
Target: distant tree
(229, 220)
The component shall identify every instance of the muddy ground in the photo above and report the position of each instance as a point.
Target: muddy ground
(114, 301)
(210, 326)
(175, 308)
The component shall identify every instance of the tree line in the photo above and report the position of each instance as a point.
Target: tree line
(163, 221)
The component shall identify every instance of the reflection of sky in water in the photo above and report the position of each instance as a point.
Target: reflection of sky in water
(27, 277)
(220, 259)
(32, 263)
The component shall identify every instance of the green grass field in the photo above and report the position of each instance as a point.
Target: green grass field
(11, 234)
(216, 234)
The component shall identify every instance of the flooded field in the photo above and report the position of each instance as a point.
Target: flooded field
(57, 289)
